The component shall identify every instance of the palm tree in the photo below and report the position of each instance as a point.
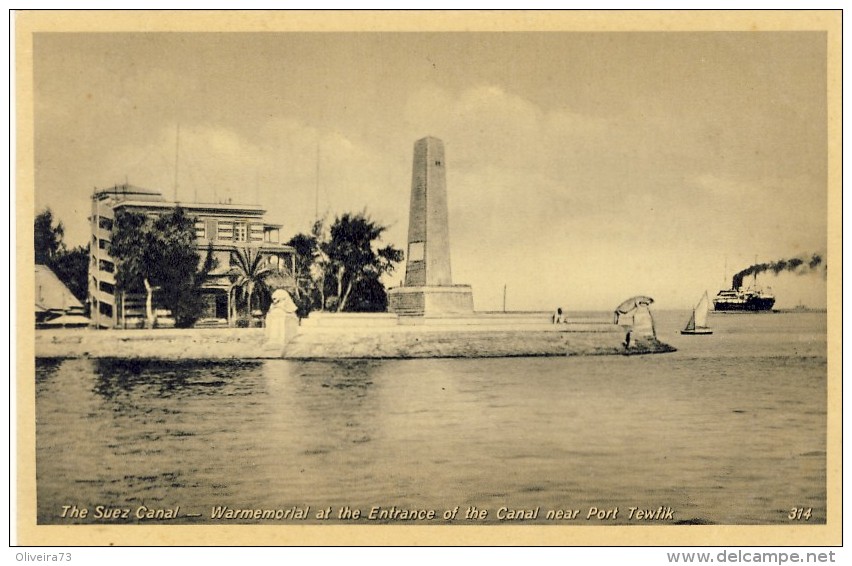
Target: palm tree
(248, 270)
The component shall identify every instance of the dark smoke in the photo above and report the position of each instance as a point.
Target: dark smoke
(797, 264)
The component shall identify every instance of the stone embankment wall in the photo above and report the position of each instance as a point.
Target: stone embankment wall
(452, 344)
(209, 343)
(341, 342)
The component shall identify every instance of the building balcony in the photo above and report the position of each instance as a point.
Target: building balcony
(103, 234)
(102, 296)
(102, 276)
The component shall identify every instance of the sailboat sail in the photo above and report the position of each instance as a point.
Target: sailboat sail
(698, 321)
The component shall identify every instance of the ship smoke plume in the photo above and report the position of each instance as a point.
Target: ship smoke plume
(800, 265)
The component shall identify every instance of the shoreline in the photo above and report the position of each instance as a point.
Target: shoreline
(348, 338)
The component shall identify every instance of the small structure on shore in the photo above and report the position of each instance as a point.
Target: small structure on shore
(634, 315)
(55, 304)
(428, 288)
(282, 324)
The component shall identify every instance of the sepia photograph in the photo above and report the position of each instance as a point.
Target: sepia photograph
(560, 278)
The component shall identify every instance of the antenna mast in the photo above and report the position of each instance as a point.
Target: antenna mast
(177, 154)
(316, 191)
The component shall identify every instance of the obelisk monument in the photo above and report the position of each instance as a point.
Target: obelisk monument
(428, 288)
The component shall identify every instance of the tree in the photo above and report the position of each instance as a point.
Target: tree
(132, 244)
(72, 268)
(159, 253)
(304, 288)
(321, 262)
(47, 237)
(179, 274)
(353, 259)
(184, 297)
(248, 271)
(368, 295)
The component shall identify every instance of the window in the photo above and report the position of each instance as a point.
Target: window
(240, 232)
(107, 266)
(225, 231)
(105, 309)
(105, 223)
(200, 229)
(103, 244)
(107, 287)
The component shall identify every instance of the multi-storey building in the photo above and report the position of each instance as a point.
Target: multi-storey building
(227, 227)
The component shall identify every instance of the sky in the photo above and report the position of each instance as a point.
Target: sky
(582, 168)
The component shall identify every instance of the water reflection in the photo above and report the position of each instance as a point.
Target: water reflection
(325, 426)
(46, 368)
(118, 378)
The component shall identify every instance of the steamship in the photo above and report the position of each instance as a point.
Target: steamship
(752, 299)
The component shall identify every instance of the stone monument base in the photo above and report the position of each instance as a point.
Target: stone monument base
(432, 300)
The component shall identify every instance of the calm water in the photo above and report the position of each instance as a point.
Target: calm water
(730, 429)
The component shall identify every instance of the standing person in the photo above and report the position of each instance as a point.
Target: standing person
(558, 317)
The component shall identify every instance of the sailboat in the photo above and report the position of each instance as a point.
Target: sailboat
(698, 321)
